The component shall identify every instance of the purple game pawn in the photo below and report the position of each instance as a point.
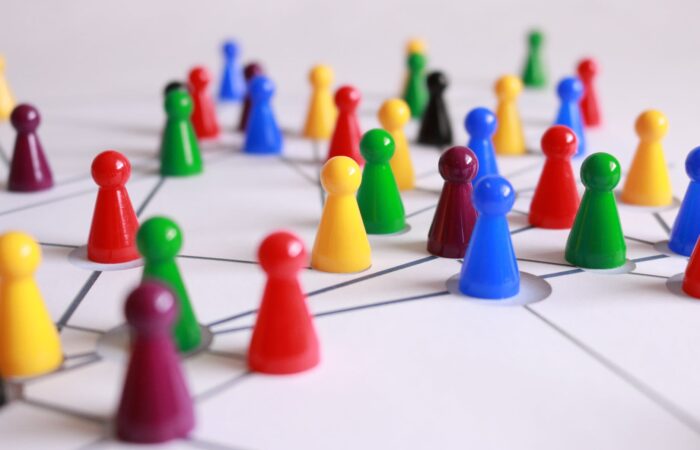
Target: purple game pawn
(250, 71)
(455, 214)
(29, 170)
(155, 405)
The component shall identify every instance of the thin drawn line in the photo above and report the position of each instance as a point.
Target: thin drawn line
(522, 213)
(208, 445)
(63, 410)
(80, 355)
(545, 262)
(214, 258)
(649, 258)
(203, 396)
(150, 196)
(298, 170)
(78, 299)
(648, 275)
(222, 354)
(51, 244)
(520, 230)
(46, 202)
(422, 210)
(315, 147)
(641, 241)
(84, 329)
(232, 318)
(662, 222)
(561, 274)
(3, 156)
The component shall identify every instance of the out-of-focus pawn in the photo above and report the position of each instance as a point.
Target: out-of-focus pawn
(509, 138)
(570, 91)
(416, 93)
(204, 120)
(686, 227)
(174, 85)
(7, 100)
(112, 236)
(251, 71)
(262, 135)
(155, 404)
(435, 127)
(556, 198)
(534, 72)
(481, 124)
(346, 136)
(648, 182)
(394, 114)
(29, 169)
(232, 87)
(587, 70)
(320, 118)
(179, 149)
(284, 339)
(29, 342)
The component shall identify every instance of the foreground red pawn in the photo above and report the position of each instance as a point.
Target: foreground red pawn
(556, 198)
(203, 118)
(347, 134)
(114, 224)
(590, 109)
(284, 339)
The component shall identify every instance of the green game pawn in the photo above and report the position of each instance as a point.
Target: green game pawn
(535, 74)
(416, 94)
(378, 197)
(179, 149)
(159, 240)
(596, 240)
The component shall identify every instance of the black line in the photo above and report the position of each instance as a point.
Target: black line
(662, 222)
(561, 274)
(422, 210)
(79, 355)
(84, 329)
(78, 299)
(545, 262)
(150, 196)
(649, 258)
(522, 213)
(317, 160)
(232, 330)
(298, 170)
(62, 410)
(208, 445)
(647, 275)
(231, 318)
(47, 201)
(641, 241)
(203, 396)
(3, 156)
(520, 230)
(50, 244)
(213, 258)
(232, 355)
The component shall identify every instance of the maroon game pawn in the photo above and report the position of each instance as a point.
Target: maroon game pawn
(155, 405)
(249, 72)
(590, 109)
(29, 170)
(204, 121)
(347, 135)
(284, 339)
(455, 214)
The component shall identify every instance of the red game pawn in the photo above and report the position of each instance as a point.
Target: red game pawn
(347, 134)
(590, 110)
(250, 71)
(203, 118)
(691, 280)
(284, 339)
(556, 198)
(114, 224)
(155, 404)
(455, 214)
(29, 170)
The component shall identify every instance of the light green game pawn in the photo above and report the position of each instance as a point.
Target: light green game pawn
(378, 197)
(534, 73)
(159, 240)
(416, 94)
(179, 149)
(596, 240)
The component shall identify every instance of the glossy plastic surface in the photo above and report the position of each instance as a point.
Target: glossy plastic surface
(179, 149)
(416, 92)
(251, 71)
(321, 115)
(204, 121)
(232, 88)
(570, 91)
(346, 135)
(7, 100)
(509, 138)
(481, 124)
(587, 70)
(393, 115)
(534, 72)
(436, 127)
(29, 168)
(686, 227)
(262, 135)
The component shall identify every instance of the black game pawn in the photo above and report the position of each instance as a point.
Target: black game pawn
(173, 85)
(435, 128)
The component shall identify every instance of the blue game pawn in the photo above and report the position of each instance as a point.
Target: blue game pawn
(263, 135)
(686, 228)
(490, 270)
(232, 87)
(481, 124)
(570, 91)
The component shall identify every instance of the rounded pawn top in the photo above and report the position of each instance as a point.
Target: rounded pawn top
(261, 88)
(178, 104)
(394, 113)
(347, 98)
(377, 146)
(199, 77)
(417, 61)
(600, 172)
(341, 176)
(230, 48)
(20, 254)
(692, 164)
(159, 239)
(252, 70)
(321, 76)
(570, 89)
(458, 165)
(559, 141)
(282, 254)
(173, 86)
(437, 82)
(416, 45)
(535, 38)
(110, 169)
(150, 307)
(25, 118)
(480, 122)
(587, 68)
(651, 125)
(493, 195)
(508, 87)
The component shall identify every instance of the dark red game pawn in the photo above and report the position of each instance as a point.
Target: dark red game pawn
(590, 109)
(29, 170)
(691, 279)
(155, 405)
(284, 340)
(455, 214)
(203, 117)
(249, 72)
(114, 224)
(556, 198)
(347, 135)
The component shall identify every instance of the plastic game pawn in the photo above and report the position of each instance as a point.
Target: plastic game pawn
(262, 135)
(414, 45)
(378, 197)
(112, 236)
(232, 88)
(596, 240)
(435, 126)
(587, 70)
(691, 278)
(481, 124)
(250, 71)
(174, 86)
(346, 136)
(159, 240)
(416, 93)
(320, 118)
(686, 227)
(341, 244)
(284, 340)
(179, 149)
(29, 342)
(204, 121)
(155, 403)
(534, 72)
(509, 138)
(570, 91)
(394, 114)
(29, 169)
(648, 183)
(7, 100)
(556, 198)
(455, 215)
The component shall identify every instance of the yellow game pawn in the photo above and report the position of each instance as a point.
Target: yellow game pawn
(320, 119)
(394, 115)
(509, 138)
(648, 183)
(341, 244)
(29, 343)
(7, 101)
